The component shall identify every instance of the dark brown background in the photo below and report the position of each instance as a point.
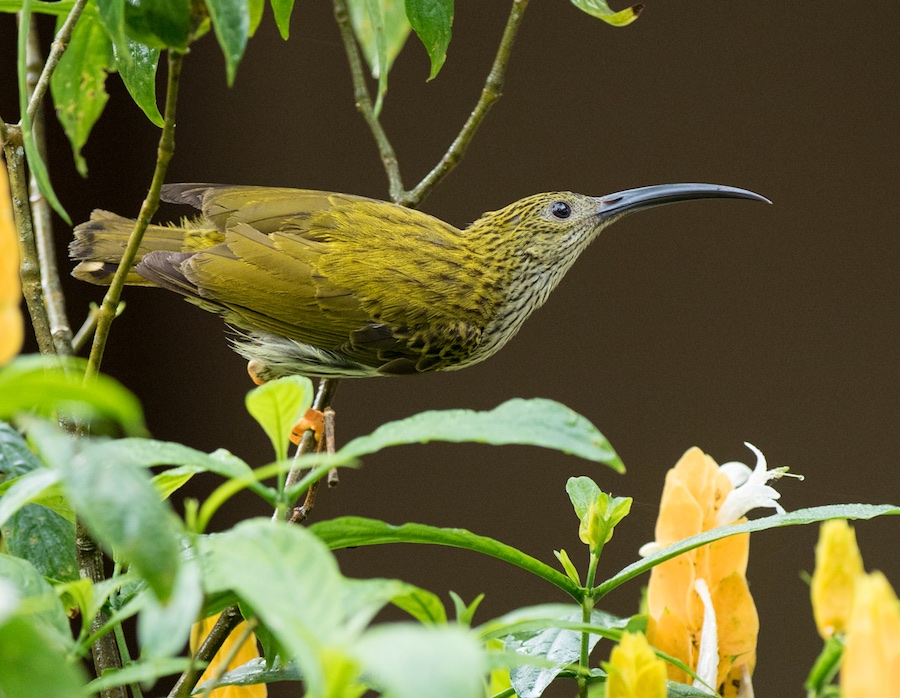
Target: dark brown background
(704, 324)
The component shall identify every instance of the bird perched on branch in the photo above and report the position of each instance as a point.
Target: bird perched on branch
(334, 285)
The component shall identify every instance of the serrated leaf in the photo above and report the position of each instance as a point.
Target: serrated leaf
(298, 597)
(137, 65)
(277, 406)
(601, 10)
(231, 23)
(78, 84)
(354, 531)
(535, 422)
(432, 21)
(381, 28)
(282, 10)
(412, 661)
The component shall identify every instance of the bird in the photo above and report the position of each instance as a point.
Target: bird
(333, 285)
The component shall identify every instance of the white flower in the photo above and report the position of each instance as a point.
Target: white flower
(750, 488)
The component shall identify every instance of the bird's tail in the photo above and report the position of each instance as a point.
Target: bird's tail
(100, 243)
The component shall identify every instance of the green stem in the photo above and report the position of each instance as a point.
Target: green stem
(51, 287)
(364, 102)
(587, 606)
(57, 48)
(493, 88)
(164, 155)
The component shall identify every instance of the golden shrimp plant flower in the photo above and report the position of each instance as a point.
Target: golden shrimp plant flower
(11, 323)
(838, 565)
(634, 670)
(871, 661)
(699, 603)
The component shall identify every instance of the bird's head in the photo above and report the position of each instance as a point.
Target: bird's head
(552, 229)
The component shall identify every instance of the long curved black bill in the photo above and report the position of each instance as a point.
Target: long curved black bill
(620, 203)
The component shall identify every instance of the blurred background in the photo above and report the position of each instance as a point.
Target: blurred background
(708, 324)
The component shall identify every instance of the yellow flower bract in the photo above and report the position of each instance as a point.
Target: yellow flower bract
(634, 670)
(693, 493)
(838, 566)
(247, 651)
(871, 662)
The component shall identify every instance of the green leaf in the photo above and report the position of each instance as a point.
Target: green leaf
(137, 65)
(145, 671)
(465, 614)
(793, 518)
(32, 155)
(381, 28)
(78, 84)
(432, 20)
(282, 10)
(403, 660)
(231, 22)
(278, 405)
(253, 672)
(159, 23)
(566, 562)
(353, 531)
(36, 599)
(601, 10)
(120, 507)
(33, 532)
(112, 16)
(582, 492)
(164, 629)
(535, 422)
(34, 666)
(298, 597)
(421, 604)
(46, 385)
(560, 646)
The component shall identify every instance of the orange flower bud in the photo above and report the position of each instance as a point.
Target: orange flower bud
(634, 670)
(871, 662)
(838, 566)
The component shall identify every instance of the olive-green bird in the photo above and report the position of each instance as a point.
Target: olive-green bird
(334, 285)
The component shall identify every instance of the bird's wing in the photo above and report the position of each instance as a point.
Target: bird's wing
(387, 286)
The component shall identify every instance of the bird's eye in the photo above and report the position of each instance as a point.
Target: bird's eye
(560, 210)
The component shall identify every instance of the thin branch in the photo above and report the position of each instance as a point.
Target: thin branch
(148, 208)
(324, 398)
(364, 102)
(57, 48)
(493, 88)
(104, 651)
(227, 621)
(30, 269)
(51, 287)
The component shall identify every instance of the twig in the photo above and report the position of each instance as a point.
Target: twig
(30, 269)
(227, 621)
(364, 102)
(229, 658)
(57, 48)
(51, 287)
(148, 208)
(493, 87)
